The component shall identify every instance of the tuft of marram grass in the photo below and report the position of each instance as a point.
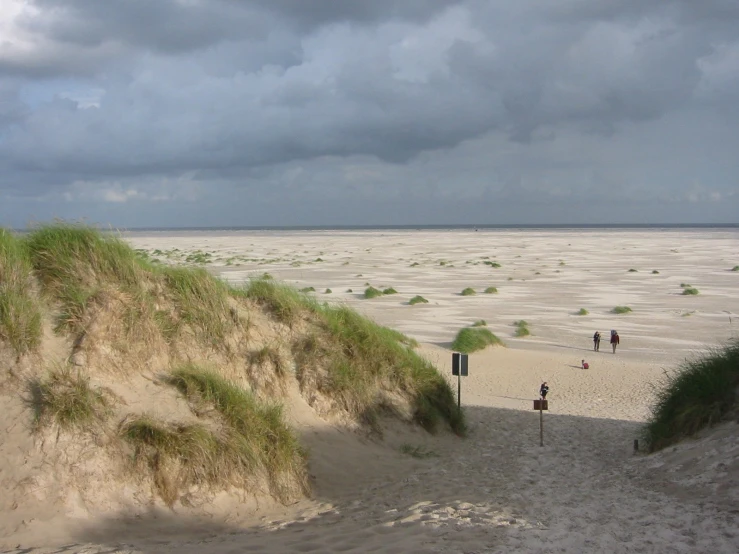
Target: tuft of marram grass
(469, 291)
(699, 394)
(472, 339)
(632, 270)
(655, 272)
(491, 290)
(522, 329)
(480, 323)
(389, 290)
(283, 302)
(582, 311)
(418, 300)
(735, 268)
(372, 292)
(621, 310)
(20, 314)
(690, 291)
(66, 398)
(255, 431)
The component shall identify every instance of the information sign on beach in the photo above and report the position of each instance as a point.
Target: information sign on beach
(541, 405)
(460, 369)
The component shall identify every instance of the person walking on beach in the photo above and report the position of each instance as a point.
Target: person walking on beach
(543, 390)
(615, 340)
(596, 341)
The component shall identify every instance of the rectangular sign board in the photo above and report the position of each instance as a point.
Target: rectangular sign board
(460, 364)
(541, 404)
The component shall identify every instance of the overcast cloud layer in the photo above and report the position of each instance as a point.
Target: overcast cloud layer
(311, 112)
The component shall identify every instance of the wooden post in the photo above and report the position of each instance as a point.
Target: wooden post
(459, 392)
(636, 446)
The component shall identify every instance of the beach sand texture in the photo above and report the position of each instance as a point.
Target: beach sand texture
(496, 490)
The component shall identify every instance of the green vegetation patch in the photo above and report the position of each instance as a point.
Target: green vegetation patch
(621, 310)
(582, 311)
(419, 452)
(389, 290)
(469, 291)
(67, 399)
(372, 292)
(480, 323)
(522, 328)
(690, 291)
(283, 302)
(735, 268)
(655, 272)
(20, 314)
(491, 290)
(699, 394)
(418, 300)
(472, 339)
(360, 359)
(492, 264)
(255, 437)
(632, 270)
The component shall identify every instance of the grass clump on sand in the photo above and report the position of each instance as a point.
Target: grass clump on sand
(469, 291)
(283, 302)
(632, 270)
(307, 289)
(389, 290)
(621, 310)
(472, 339)
(67, 399)
(418, 299)
(699, 394)
(522, 328)
(255, 438)
(690, 291)
(419, 452)
(328, 291)
(372, 292)
(480, 323)
(20, 315)
(655, 272)
(492, 264)
(735, 268)
(582, 311)
(491, 290)
(362, 360)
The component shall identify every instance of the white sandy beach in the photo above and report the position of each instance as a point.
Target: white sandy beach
(497, 490)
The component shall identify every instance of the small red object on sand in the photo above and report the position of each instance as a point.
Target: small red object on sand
(585, 365)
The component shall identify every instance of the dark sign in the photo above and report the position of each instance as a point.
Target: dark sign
(541, 404)
(459, 364)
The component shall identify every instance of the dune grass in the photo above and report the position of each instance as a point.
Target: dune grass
(256, 438)
(480, 323)
(418, 299)
(632, 270)
(690, 291)
(20, 314)
(327, 291)
(492, 264)
(491, 290)
(735, 268)
(582, 311)
(389, 290)
(469, 291)
(655, 272)
(307, 289)
(283, 302)
(66, 398)
(522, 329)
(372, 292)
(699, 394)
(362, 359)
(472, 339)
(621, 310)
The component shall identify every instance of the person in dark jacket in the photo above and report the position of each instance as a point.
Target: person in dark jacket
(596, 341)
(543, 390)
(615, 341)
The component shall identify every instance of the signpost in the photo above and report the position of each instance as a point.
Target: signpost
(541, 405)
(460, 369)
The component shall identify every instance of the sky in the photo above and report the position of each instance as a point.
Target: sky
(182, 113)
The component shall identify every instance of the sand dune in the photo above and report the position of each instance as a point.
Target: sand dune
(496, 490)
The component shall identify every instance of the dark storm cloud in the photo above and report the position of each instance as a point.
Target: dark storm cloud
(230, 90)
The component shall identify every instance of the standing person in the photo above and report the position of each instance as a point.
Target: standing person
(596, 341)
(543, 390)
(615, 340)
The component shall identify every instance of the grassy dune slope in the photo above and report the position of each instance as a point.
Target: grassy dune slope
(225, 354)
(701, 393)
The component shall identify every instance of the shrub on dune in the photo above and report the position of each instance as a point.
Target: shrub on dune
(621, 310)
(472, 339)
(468, 292)
(418, 300)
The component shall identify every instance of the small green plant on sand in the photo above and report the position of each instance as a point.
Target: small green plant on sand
(655, 272)
(307, 289)
(632, 270)
(491, 290)
(735, 268)
(471, 339)
(522, 329)
(621, 310)
(418, 300)
(582, 311)
(492, 264)
(328, 291)
(480, 323)
(389, 290)
(372, 292)
(690, 291)
(468, 291)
